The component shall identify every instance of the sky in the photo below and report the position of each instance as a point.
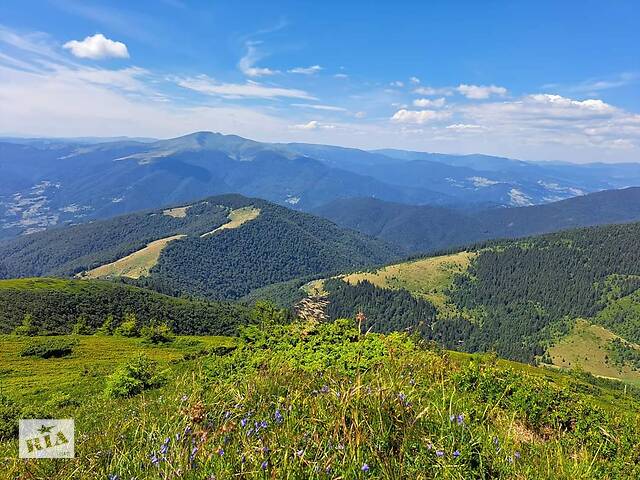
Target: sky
(535, 80)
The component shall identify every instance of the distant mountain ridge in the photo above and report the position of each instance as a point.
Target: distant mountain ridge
(427, 228)
(49, 182)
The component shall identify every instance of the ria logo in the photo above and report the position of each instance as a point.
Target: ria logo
(47, 438)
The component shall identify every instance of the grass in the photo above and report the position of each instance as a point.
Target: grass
(586, 348)
(309, 401)
(81, 374)
(237, 217)
(178, 212)
(428, 278)
(136, 265)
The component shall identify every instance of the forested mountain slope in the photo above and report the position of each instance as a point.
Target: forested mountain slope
(273, 244)
(518, 298)
(427, 228)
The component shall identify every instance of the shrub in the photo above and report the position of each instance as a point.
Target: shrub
(107, 327)
(26, 328)
(128, 328)
(157, 334)
(135, 376)
(9, 415)
(49, 348)
(81, 327)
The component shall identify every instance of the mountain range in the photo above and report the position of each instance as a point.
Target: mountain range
(58, 182)
(423, 228)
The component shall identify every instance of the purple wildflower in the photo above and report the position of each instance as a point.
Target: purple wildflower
(456, 454)
(299, 453)
(278, 416)
(265, 449)
(324, 389)
(113, 476)
(194, 451)
(517, 455)
(365, 468)
(243, 422)
(155, 460)
(439, 453)
(184, 398)
(264, 465)
(460, 419)
(221, 451)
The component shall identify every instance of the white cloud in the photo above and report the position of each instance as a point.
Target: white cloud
(428, 103)
(209, 86)
(464, 127)
(312, 125)
(97, 47)
(312, 70)
(431, 91)
(329, 108)
(480, 92)
(247, 64)
(360, 114)
(397, 83)
(418, 116)
(414, 80)
(341, 75)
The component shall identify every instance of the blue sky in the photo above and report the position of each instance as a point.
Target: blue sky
(534, 80)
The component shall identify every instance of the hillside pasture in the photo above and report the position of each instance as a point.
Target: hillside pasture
(237, 217)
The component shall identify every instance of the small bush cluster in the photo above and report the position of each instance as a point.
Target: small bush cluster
(134, 377)
(49, 348)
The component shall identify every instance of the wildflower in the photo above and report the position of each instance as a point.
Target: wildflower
(496, 441)
(243, 422)
(164, 448)
(184, 398)
(187, 430)
(227, 415)
(264, 465)
(249, 432)
(402, 397)
(452, 418)
(324, 389)
(278, 416)
(299, 453)
(439, 453)
(412, 382)
(177, 437)
(327, 470)
(517, 455)
(265, 449)
(429, 446)
(456, 454)
(155, 460)
(243, 459)
(221, 451)
(460, 419)
(510, 459)
(194, 451)
(113, 476)
(365, 468)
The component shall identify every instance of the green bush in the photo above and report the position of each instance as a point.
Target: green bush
(9, 415)
(26, 329)
(107, 327)
(157, 334)
(135, 376)
(81, 327)
(49, 348)
(128, 328)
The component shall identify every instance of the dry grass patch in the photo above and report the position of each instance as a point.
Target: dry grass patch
(237, 218)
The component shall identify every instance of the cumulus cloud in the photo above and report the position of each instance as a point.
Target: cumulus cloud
(313, 125)
(414, 80)
(97, 47)
(208, 86)
(418, 116)
(429, 103)
(312, 70)
(480, 92)
(247, 63)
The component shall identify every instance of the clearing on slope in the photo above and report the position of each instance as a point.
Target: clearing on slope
(428, 278)
(136, 265)
(237, 217)
(177, 212)
(588, 347)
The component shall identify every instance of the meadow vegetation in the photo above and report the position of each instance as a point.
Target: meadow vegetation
(315, 400)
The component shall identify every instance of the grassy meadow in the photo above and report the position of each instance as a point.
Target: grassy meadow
(322, 401)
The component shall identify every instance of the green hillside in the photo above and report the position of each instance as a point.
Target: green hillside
(312, 401)
(221, 248)
(517, 298)
(54, 305)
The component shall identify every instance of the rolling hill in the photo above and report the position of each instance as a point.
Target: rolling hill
(428, 228)
(219, 247)
(555, 298)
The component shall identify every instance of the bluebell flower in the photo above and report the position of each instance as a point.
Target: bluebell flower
(113, 476)
(324, 389)
(456, 454)
(264, 424)
(278, 416)
(155, 460)
(220, 451)
(517, 455)
(365, 468)
(460, 419)
(264, 465)
(439, 453)
(243, 422)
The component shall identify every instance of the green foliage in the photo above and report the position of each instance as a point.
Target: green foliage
(81, 327)
(129, 327)
(49, 348)
(622, 354)
(26, 328)
(108, 327)
(134, 377)
(53, 306)
(157, 334)
(9, 415)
